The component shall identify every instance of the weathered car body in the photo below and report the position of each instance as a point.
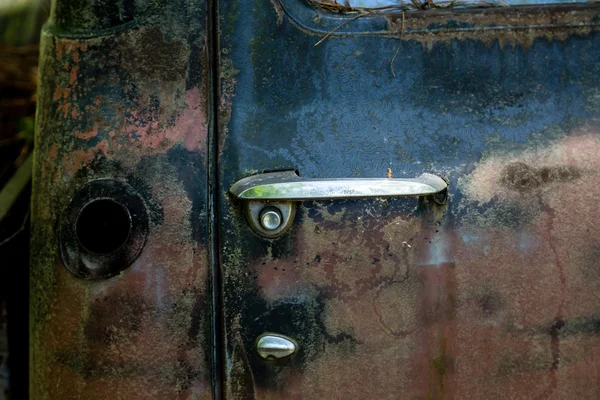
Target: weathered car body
(162, 107)
(123, 95)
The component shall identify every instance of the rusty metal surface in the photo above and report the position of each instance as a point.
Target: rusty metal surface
(494, 295)
(124, 96)
(491, 295)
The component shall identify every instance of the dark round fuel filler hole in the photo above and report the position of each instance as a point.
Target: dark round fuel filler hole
(103, 226)
(103, 229)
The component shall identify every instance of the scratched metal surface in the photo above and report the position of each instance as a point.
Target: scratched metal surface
(123, 95)
(494, 295)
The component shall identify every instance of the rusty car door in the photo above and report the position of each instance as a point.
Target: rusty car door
(121, 294)
(339, 289)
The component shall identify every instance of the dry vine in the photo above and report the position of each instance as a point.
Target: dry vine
(333, 6)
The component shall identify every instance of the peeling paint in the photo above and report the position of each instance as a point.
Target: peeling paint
(130, 105)
(492, 295)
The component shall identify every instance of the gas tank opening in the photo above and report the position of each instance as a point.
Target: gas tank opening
(103, 229)
(103, 226)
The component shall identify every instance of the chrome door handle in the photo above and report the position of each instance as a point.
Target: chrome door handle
(270, 197)
(288, 186)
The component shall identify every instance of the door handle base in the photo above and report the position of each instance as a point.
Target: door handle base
(257, 213)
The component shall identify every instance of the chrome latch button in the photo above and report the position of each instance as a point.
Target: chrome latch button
(273, 346)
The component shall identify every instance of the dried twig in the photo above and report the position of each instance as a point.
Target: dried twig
(394, 58)
(17, 232)
(336, 28)
(398, 49)
(13, 188)
(403, 5)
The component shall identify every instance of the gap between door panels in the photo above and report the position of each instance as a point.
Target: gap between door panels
(217, 353)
